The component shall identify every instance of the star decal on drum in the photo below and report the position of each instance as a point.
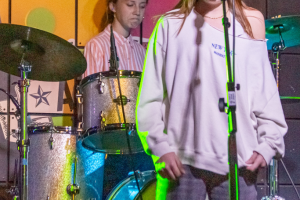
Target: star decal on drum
(41, 97)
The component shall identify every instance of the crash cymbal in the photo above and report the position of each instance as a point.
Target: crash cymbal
(52, 58)
(289, 27)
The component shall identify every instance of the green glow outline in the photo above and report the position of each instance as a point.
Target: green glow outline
(236, 182)
(287, 97)
(162, 183)
(143, 135)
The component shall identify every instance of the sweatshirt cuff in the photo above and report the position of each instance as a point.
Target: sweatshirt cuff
(161, 149)
(266, 151)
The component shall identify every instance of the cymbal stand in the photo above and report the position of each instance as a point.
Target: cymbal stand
(24, 143)
(14, 191)
(273, 168)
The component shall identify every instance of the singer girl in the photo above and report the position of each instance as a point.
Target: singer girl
(122, 15)
(178, 118)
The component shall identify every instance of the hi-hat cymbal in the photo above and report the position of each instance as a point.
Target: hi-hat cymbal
(289, 27)
(52, 58)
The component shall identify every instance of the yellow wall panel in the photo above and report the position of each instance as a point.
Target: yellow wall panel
(55, 16)
(90, 13)
(4, 11)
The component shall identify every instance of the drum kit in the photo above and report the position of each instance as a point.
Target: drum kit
(49, 169)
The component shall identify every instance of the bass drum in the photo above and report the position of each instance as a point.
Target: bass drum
(127, 189)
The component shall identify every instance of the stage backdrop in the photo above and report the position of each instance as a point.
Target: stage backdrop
(54, 102)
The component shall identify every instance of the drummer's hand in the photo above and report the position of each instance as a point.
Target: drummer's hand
(256, 161)
(171, 166)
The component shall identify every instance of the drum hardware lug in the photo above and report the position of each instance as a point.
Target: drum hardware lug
(102, 121)
(101, 87)
(80, 129)
(79, 95)
(51, 141)
(73, 189)
(101, 84)
(124, 99)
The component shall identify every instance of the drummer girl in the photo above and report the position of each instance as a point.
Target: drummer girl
(123, 15)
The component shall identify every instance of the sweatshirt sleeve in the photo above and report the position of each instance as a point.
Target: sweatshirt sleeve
(151, 98)
(271, 124)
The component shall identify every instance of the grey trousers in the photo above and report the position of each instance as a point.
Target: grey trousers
(196, 183)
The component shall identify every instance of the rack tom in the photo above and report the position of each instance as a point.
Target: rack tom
(103, 124)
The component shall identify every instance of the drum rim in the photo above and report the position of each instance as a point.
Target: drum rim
(107, 74)
(126, 180)
(95, 129)
(35, 129)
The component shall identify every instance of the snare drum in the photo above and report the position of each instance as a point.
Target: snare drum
(51, 157)
(103, 126)
(127, 189)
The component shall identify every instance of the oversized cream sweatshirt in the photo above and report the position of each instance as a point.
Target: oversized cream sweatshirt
(183, 78)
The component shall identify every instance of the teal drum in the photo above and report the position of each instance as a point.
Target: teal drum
(128, 190)
(90, 172)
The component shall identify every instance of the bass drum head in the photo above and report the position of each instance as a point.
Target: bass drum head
(127, 189)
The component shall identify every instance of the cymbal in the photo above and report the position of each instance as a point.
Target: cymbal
(289, 27)
(51, 57)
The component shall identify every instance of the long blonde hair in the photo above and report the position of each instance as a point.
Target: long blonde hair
(185, 7)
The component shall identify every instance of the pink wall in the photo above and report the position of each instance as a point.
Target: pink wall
(154, 8)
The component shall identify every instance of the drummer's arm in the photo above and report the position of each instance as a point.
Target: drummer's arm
(94, 58)
(257, 23)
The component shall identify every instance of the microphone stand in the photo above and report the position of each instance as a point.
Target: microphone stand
(230, 109)
(114, 67)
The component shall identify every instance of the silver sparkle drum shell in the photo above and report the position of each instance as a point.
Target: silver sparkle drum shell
(50, 171)
(103, 123)
(94, 102)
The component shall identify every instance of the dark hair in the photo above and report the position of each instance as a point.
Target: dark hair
(108, 17)
(186, 6)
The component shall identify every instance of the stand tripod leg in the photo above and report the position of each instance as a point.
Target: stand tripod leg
(273, 177)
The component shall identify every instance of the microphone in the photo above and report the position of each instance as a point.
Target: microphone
(114, 60)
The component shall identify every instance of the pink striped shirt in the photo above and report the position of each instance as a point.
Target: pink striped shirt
(97, 53)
